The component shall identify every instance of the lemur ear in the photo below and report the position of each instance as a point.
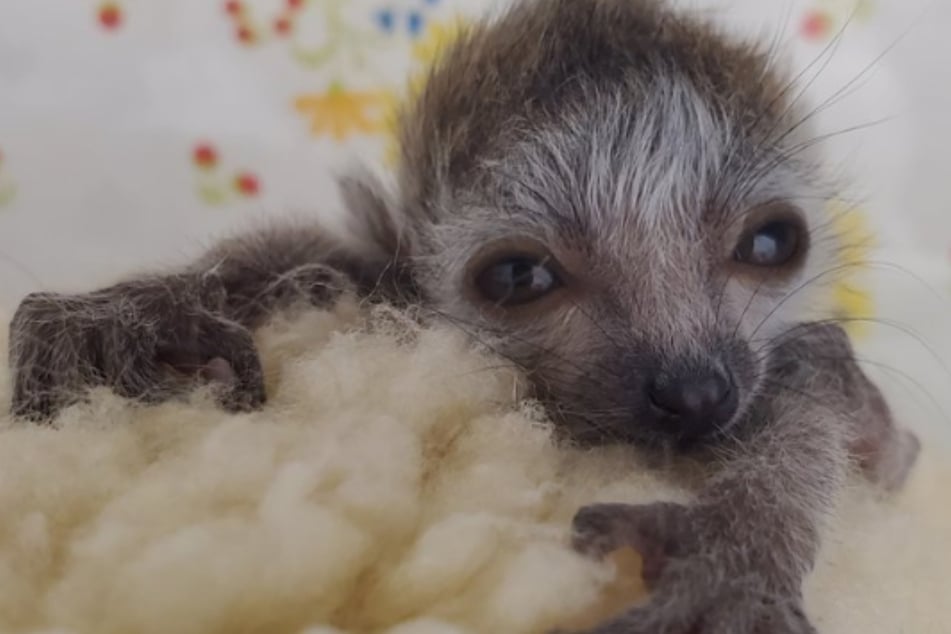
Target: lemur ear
(373, 216)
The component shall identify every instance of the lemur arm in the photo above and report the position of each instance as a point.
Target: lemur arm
(734, 561)
(151, 336)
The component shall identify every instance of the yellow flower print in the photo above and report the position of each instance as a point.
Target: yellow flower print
(7, 188)
(851, 298)
(340, 113)
(438, 35)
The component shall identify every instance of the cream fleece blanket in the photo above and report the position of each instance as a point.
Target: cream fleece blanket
(391, 485)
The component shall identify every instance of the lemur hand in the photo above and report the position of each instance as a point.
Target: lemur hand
(147, 339)
(702, 581)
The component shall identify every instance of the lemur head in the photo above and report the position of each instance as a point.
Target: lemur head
(620, 200)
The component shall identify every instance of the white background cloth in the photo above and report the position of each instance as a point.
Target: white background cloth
(99, 117)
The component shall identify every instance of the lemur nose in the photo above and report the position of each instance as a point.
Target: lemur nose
(697, 402)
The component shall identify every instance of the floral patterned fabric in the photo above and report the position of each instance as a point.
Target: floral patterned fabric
(132, 131)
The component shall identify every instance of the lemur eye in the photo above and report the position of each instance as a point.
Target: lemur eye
(773, 244)
(517, 280)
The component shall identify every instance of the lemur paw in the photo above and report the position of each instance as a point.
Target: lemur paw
(729, 611)
(696, 588)
(653, 530)
(890, 465)
(145, 340)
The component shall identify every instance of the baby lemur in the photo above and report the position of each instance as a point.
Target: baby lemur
(627, 205)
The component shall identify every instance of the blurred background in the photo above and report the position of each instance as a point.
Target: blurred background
(132, 132)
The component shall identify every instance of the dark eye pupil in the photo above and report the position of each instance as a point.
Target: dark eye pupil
(516, 281)
(520, 273)
(773, 244)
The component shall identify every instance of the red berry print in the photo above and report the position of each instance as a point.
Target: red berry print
(204, 156)
(216, 186)
(282, 26)
(250, 31)
(816, 25)
(245, 34)
(110, 16)
(247, 184)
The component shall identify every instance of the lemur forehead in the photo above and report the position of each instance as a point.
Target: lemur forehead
(609, 161)
(547, 54)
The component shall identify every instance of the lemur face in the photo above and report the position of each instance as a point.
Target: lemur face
(625, 204)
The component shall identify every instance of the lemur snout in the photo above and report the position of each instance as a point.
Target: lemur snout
(693, 403)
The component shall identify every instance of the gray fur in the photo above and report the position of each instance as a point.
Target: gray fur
(634, 145)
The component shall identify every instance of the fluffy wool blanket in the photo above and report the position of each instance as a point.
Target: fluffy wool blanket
(392, 484)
